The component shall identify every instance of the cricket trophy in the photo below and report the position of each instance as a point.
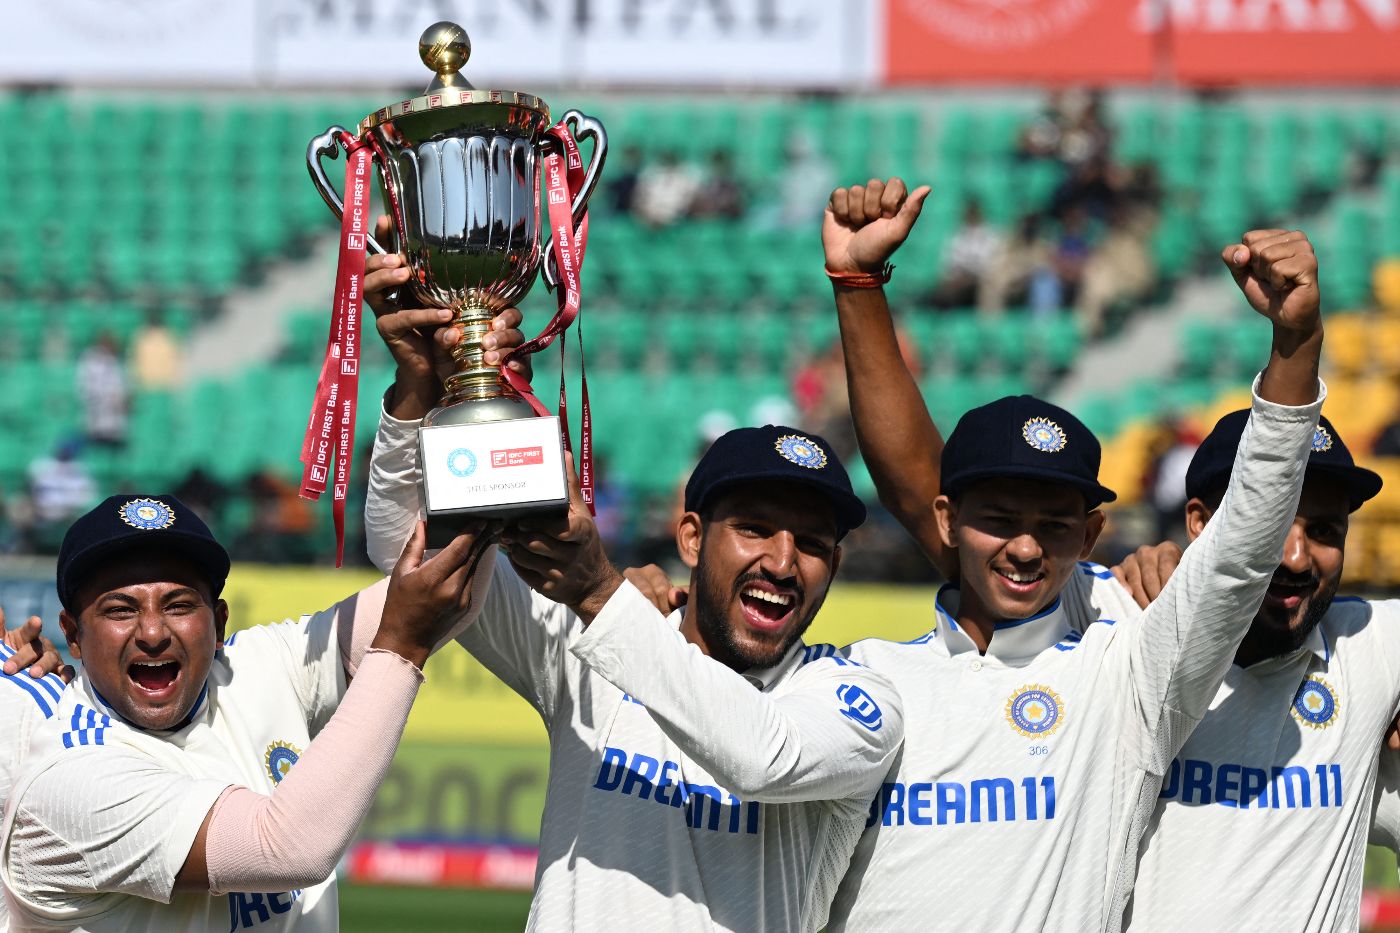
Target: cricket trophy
(460, 176)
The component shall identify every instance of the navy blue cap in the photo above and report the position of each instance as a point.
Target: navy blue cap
(1021, 435)
(774, 452)
(1211, 465)
(132, 521)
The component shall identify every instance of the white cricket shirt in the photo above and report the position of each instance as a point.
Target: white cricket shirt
(103, 815)
(1029, 773)
(1262, 819)
(682, 795)
(25, 703)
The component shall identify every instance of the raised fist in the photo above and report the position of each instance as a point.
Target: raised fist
(1277, 271)
(864, 224)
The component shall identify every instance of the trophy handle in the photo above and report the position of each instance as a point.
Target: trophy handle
(583, 127)
(328, 144)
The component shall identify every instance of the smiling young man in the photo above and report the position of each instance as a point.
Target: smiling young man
(188, 782)
(1024, 737)
(708, 771)
(1285, 761)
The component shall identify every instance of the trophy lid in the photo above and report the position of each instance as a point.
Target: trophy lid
(445, 47)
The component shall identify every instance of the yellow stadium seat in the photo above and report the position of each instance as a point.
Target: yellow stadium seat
(1348, 344)
(1387, 285)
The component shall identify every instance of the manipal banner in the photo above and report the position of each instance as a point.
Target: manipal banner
(518, 44)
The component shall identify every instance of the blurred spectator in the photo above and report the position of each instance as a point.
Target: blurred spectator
(102, 391)
(622, 180)
(277, 531)
(721, 194)
(805, 184)
(60, 489)
(1387, 443)
(155, 355)
(1070, 129)
(968, 258)
(1176, 442)
(203, 493)
(1120, 270)
(1090, 187)
(1071, 252)
(1023, 273)
(664, 191)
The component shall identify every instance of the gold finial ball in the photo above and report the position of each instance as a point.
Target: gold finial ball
(444, 47)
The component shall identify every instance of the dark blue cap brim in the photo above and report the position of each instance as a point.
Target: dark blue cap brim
(1361, 484)
(1094, 493)
(850, 511)
(206, 553)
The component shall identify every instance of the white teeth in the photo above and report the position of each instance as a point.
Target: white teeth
(152, 663)
(767, 597)
(1020, 577)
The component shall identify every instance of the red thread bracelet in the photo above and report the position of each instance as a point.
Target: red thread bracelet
(862, 279)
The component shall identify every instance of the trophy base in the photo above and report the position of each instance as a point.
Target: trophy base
(492, 469)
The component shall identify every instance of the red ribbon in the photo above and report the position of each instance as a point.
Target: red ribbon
(330, 431)
(563, 179)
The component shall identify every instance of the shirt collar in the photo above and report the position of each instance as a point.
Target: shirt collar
(98, 701)
(1014, 640)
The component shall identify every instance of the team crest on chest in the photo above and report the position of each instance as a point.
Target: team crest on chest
(279, 760)
(147, 514)
(1035, 711)
(1315, 704)
(1044, 435)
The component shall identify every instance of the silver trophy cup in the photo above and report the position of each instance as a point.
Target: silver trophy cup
(460, 178)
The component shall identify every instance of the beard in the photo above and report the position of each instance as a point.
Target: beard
(710, 601)
(1293, 634)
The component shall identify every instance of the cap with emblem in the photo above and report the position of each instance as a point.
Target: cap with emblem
(128, 522)
(776, 453)
(1210, 466)
(1021, 435)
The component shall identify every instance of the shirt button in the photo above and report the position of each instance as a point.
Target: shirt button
(977, 664)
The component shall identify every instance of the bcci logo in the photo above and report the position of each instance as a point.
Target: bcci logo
(1315, 704)
(147, 514)
(1035, 711)
(279, 760)
(461, 462)
(800, 450)
(860, 706)
(1322, 440)
(1044, 435)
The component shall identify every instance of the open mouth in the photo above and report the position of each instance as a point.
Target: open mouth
(154, 677)
(1286, 595)
(767, 607)
(1020, 582)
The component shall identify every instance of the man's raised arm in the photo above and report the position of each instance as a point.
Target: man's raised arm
(862, 227)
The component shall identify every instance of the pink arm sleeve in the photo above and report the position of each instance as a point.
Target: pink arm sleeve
(294, 838)
(360, 614)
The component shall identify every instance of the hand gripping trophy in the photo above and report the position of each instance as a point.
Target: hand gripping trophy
(460, 173)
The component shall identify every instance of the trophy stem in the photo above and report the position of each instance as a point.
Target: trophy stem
(473, 379)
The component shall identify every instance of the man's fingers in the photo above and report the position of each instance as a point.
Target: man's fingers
(412, 556)
(841, 204)
(857, 205)
(874, 193)
(510, 317)
(32, 628)
(384, 280)
(575, 487)
(913, 205)
(893, 198)
(381, 261)
(448, 337)
(48, 661)
(67, 673)
(680, 595)
(396, 325)
(546, 568)
(382, 227)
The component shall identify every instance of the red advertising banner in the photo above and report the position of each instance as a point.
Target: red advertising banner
(1015, 40)
(1282, 41)
(1195, 42)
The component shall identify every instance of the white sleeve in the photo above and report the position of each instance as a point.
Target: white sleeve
(1180, 651)
(103, 821)
(306, 653)
(25, 703)
(522, 637)
(393, 504)
(827, 733)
